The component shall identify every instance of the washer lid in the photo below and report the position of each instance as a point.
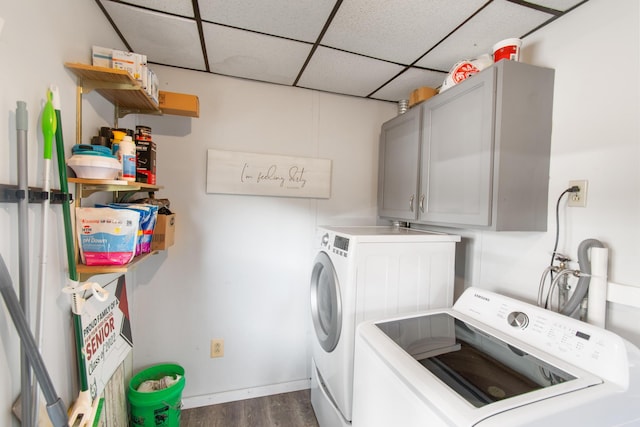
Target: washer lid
(481, 368)
(464, 372)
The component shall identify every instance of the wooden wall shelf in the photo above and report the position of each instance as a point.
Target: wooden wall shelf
(87, 271)
(126, 93)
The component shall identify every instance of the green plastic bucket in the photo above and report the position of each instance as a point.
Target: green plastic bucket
(160, 407)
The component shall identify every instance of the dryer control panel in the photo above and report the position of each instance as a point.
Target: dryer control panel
(342, 243)
(586, 346)
(334, 243)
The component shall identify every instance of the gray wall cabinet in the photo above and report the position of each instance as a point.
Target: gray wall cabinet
(400, 166)
(475, 156)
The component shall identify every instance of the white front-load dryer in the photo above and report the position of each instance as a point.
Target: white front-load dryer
(365, 273)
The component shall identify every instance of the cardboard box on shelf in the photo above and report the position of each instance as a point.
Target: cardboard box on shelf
(128, 61)
(164, 232)
(134, 63)
(101, 56)
(179, 104)
(153, 85)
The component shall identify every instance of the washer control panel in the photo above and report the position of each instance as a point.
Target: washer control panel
(518, 319)
(589, 347)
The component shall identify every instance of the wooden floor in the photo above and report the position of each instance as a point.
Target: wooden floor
(280, 410)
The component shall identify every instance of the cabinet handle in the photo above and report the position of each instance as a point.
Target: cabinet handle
(411, 202)
(422, 203)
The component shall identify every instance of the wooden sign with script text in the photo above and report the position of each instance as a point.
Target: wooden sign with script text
(233, 172)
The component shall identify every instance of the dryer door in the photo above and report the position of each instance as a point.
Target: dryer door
(326, 305)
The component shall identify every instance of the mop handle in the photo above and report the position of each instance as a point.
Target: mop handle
(22, 117)
(71, 259)
(48, 131)
(23, 251)
(64, 188)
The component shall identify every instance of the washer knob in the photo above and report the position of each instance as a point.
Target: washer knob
(325, 239)
(518, 319)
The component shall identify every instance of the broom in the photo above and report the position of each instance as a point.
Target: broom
(84, 410)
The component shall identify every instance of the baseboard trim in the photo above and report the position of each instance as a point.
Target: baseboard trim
(248, 393)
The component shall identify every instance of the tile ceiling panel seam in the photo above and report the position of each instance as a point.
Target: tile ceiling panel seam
(556, 16)
(113, 24)
(538, 7)
(318, 40)
(203, 45)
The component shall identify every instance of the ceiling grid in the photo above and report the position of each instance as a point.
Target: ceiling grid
(379, 49)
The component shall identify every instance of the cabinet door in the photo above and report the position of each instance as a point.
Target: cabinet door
(398, 172)
(457, 155)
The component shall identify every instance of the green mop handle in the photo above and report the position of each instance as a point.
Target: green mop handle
(71, 259)
(64, 188)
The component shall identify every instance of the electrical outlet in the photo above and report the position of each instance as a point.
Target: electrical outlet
(217, 348)
(578, 199)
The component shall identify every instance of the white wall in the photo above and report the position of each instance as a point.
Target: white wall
(239, 269)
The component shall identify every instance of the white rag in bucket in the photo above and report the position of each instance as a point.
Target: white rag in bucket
(155, 385)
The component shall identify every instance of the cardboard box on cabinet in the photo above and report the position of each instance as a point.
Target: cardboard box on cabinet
(164, 232)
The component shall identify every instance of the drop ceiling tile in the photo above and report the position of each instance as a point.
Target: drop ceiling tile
(176, 7)
(254, 56)
(500, 20)
(398, 31)
(561, 5)
(402, 86)
(295, 19)
(163, 38)
(341, 72)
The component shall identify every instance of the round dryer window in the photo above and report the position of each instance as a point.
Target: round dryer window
(326, 306)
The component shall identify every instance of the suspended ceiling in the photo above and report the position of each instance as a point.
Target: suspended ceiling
(379, 49)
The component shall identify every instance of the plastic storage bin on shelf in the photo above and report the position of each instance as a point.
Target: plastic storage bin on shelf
(93, 162)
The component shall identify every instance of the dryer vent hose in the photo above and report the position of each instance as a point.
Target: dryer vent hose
(571, 307)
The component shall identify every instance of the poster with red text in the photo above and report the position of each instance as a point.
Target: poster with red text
(106, 335)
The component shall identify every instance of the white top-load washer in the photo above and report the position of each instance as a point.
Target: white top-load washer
(493, 361)
(362, 273)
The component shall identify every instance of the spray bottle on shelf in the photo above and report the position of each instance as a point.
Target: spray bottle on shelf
(115, 141)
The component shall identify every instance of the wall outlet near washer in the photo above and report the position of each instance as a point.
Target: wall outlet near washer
(578, 199)
(217, 348)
